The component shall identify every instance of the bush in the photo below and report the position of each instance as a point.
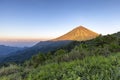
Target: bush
(90, 68)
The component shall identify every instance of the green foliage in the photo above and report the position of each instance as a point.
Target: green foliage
(12, 72)
(60, 52)
(9, 70)
(38, 59)
(90, 68)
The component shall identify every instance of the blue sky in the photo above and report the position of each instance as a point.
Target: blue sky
(46, 19)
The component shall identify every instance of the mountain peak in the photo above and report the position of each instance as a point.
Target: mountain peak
(79, 33)
(80, 27)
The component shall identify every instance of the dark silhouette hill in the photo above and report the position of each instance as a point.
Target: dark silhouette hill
(5, 50)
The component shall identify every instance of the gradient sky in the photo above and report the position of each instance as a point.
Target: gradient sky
(47, 19)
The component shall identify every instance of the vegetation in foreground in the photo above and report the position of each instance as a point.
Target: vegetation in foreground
(97, 59)
(90, 68)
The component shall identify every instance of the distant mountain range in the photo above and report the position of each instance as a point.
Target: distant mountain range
(5, 50)
(78, 34)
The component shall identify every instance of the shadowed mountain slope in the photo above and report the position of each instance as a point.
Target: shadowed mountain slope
(5, 50)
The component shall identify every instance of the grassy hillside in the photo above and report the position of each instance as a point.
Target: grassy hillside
(90, 68)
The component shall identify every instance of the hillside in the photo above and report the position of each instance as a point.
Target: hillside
(94, 59)
(80, 34)
(43, 47)
(5, 50)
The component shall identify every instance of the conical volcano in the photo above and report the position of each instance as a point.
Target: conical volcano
(80, 34)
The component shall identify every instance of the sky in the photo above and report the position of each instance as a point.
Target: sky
(35, 20)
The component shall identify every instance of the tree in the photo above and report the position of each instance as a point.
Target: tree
(60, 52)
(38, 59)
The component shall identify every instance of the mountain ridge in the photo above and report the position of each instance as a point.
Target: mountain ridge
(5, 50)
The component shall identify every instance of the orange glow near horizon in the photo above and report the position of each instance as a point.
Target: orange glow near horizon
(23, 39)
